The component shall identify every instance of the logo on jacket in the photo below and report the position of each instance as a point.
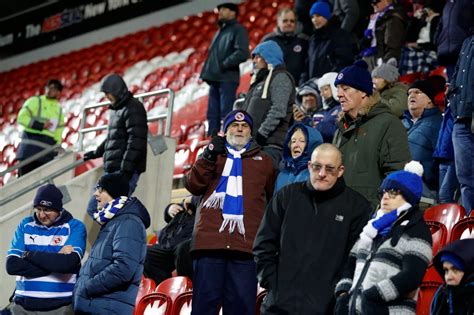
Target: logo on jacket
(339, 218)
(33, 238)
(297, 48)
(57, 240)
(46, 203)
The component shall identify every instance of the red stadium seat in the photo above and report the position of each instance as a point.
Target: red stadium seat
(261, 294)
(425, 296)
(147, 286)
(182, 161)
(174, 287)
(447, 214)
(154, 303)
(463, 229)
(183, 303)
(439, 233)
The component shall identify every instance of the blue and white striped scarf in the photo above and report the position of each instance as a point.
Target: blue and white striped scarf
(228, 194)
(106, 214)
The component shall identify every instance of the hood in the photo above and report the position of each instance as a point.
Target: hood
(328, 79)
(464, 250)
(376, 107)
(313, 139)
(115, 85)
(135, 207)
(271, 52)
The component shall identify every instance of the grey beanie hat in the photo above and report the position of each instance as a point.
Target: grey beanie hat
(387, 71)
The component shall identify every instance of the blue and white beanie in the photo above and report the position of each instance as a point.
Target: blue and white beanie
(408, 182)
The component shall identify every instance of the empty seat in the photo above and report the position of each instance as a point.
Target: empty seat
(175, 286)
(439, 233)
(154, 304)
(463, 229)
(447, 214)
(425, 296)
(183, 304)
(147, 286)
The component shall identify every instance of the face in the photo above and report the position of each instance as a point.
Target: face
(379, 83)
(391, 200)
(350, 99)
(417, 102)
(110, 97)
(297, 143)
(452, 275)
(379, 6)
(309, 102)
(51, 91)
(325, 168)
(287, 22)
(326, 92)
(259, 62)
(318, 21)
(238, 134)
(46, 216)
(102, 197)
(225, 14)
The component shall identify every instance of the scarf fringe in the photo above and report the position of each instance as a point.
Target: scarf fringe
(232, 221)
(216, 200)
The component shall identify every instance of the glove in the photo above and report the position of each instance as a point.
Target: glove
(89, 155)
(385, 221)
(261, 139)
(216, 147)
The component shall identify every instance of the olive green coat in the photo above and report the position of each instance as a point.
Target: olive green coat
(396, 97)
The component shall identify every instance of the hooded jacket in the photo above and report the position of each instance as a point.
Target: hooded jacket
(271, 96)
(390, 33)
(373, 145)
(125, 148)
(228, 49)
(395, 96)
(296, 170)
(109, 280)
(460, 297)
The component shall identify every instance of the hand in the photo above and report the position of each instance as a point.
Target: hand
(66, 249)
(261, 139)
(298, 115)
(47, 124)
(89, 155)
(174, 209)
(216, 147)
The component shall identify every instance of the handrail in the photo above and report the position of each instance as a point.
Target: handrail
(168, 117)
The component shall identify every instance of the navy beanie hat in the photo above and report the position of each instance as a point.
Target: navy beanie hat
(49, 196)
(356, 76)
(115, 184)
(237, 115)
(424, 86)
(321, 8)
(408, 182)
(231, 6)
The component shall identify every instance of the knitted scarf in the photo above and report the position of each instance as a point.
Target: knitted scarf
(107, 213)
(228, 193)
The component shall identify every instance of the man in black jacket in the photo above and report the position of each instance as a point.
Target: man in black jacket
(305, 237)
(229, 48)
(125, 148)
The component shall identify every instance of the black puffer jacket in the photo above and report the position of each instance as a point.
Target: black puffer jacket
(390, 32)
(125, 147)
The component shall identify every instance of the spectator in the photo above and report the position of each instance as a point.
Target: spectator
(330, 47)
(455, 263)
(293, 43)
(423, 121)
(456, 24)
(42, 120)
(125, 148)
(420, 56)
(228, 49)
(235, 178)
(373, 141)
(162, 258)
(305, 237)
(109, 280)
(331, 107)
(387, 263)
(393, 93)
(461, 99)
(298, 146)
(270, 99)
(368, 43)
(390, 30)
(45, 255)
(302, 8)
(307, 104)
(347, 11)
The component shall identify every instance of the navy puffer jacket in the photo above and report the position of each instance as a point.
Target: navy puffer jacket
(109, 280)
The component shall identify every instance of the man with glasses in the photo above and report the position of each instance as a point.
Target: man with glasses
(45, 255)
(305, 237)
(42, 120)
(293, 43)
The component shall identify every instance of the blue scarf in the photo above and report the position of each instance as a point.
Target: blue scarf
(228, 193)
(107, 213)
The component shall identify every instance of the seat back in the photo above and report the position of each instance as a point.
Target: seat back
(175, 286)
(463, 229)
(154, 304)
(261, 294)
(447, 214)
(425, 296)
(146, 286)
(183, 304)
(439, 234)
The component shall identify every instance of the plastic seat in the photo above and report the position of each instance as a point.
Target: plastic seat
(182, 161)
(439, 233)
(183, 304)
(154, 304)
(147, 286)
(463, 229)
(425, 296)
(261, 294)
(410, 77)
(447, 214)
(175, 286)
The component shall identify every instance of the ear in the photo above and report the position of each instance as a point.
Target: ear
(341, 171)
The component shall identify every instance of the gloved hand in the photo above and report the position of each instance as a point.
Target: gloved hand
(385, 221)
(89, 155)
(216, 147)
(261, 139)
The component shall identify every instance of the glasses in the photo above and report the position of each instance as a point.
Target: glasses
(288, 21)
(331, 170)
(99, 188)
(44, 210)
(392, 193)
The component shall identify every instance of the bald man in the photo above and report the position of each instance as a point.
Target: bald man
(305, 237)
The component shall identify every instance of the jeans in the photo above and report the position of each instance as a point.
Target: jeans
(92, 206)
(221, 99)
(448, 182)
(230, 283)
(463, 140)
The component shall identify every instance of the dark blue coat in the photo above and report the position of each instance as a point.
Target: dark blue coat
(444, 151)
(108, 282)
(422, 138)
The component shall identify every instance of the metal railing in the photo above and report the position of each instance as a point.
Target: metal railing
(141, 97)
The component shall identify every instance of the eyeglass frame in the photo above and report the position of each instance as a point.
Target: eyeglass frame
(329, 169)
(392, 193)
(99, 188)
(46, 211)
